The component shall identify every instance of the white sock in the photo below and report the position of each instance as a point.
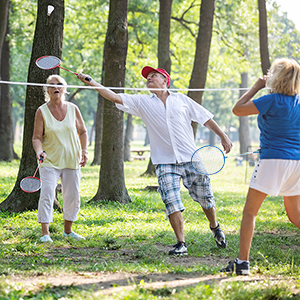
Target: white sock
(239, 261)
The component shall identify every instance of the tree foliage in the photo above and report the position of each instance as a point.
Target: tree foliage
(234, 46)
(48, 36)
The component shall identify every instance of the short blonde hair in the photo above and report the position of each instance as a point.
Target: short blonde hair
(284, 77)
(60, 80)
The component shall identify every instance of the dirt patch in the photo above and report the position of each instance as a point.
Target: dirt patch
(109, 283)
(106, 283)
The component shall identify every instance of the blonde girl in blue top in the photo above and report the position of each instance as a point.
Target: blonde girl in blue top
(278, 170)
(60, 137)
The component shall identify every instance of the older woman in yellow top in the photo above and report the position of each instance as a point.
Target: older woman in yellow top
(60, 137)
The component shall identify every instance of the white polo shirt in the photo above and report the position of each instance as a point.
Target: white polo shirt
(169, 128)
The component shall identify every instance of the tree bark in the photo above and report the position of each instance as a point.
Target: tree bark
(98, 132)
(3, 30)
(244, 128)
(199, 73)
(6, 119)
(111, 182)
(163, 52)
(47, 39)
(3, 22)
(128, 137)
(99, 122)
(263, 37)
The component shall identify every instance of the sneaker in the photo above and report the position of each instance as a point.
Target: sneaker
(219, 236)
(238, 269)
(74, 236)
(46, 238)
(179, 249)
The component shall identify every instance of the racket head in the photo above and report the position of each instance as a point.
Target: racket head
(30, 184)
(48, 62)
(208, 160)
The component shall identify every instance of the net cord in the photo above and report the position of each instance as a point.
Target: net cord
(121, 88)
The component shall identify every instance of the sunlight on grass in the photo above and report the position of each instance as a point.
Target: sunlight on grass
(130, 238)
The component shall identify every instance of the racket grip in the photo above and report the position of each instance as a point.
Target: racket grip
(41, 157)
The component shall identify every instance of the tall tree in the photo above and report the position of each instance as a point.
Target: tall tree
(6, 119)
(244, 128)
(98, 131)
(99, 124)
(47, 40)
(128, 137)
(3, 22)
(111, 183)
(263, 36)
(3, 30)
(163, 51)
(199, 73)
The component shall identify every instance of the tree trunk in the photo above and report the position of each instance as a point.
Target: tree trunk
(111, 182)
(47, 39)
(99, 122)
(163, 51)
(6, 119)
(92, 133)
(199, 73)
(263, 37)
(128, 137)
(244, 128)
(3, 30)
(147, 140)
(3, 22)
(98, 132)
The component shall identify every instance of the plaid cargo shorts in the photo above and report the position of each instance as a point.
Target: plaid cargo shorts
(169, 176)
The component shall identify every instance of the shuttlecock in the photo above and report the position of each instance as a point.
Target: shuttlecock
(50, 9)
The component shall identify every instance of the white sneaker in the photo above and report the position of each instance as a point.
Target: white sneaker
(46, 239)
(74, 236)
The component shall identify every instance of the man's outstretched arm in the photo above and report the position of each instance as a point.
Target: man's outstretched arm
(103, 91)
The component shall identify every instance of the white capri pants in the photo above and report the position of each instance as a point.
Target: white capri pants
(70, 181)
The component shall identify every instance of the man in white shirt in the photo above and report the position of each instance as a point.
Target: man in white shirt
(168, 118)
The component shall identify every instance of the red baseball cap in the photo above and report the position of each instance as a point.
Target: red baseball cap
(146, 70)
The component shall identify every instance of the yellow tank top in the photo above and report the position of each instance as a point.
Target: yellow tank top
(60, 139)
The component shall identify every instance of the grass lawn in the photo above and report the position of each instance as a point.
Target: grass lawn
(125, 256)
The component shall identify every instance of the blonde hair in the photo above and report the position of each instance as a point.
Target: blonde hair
(60, 80)
(284, 77)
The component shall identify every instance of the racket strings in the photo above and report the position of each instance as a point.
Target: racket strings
(208, 160)
(48, 62)
(30, 184)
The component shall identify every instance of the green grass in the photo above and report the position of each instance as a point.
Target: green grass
(128, 239)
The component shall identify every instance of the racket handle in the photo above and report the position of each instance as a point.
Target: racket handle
(87, 78)
(41, 157)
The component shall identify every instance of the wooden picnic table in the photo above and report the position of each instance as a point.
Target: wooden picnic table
(140, 152)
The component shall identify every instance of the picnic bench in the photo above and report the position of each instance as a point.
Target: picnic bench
(139, 154)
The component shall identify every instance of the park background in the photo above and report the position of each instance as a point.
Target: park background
(219, 46)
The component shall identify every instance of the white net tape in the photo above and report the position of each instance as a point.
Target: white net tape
(121, 88)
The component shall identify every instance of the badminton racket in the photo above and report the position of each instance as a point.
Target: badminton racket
(209, 160)
(51, 62)
(31, 184)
